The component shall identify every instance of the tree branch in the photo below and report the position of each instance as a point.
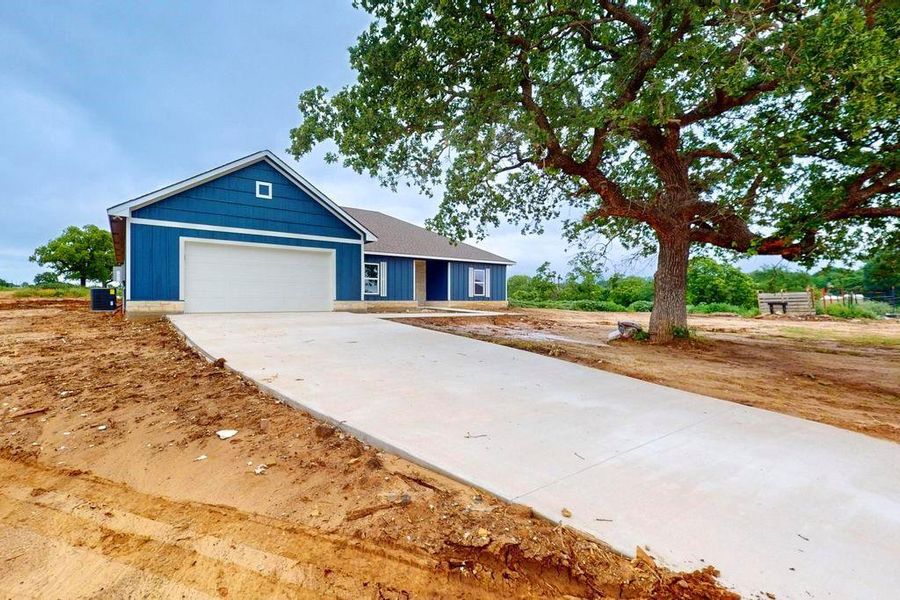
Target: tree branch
(689, 157)
(722, 102)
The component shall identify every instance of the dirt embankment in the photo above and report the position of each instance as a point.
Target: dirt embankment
(114, 484)
(842, 373)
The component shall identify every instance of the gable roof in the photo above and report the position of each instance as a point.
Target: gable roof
(124, 209)
(400, 238)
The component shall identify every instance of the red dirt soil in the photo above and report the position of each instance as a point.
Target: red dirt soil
(104, 493)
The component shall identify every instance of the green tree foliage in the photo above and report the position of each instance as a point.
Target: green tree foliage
(709, 281)
(518, 286)
(838, 278)
(625, 290)
(757, 127)
(46, 278)
(881, 273)
(581, 284)
(779, 279)
(80, 253)
(6, 284)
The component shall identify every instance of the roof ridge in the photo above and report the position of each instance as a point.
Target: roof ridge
(402, 238)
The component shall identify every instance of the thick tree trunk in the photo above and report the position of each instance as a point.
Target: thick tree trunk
(670, 287)
(83, 281)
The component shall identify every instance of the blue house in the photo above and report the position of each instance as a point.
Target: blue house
(254, 236)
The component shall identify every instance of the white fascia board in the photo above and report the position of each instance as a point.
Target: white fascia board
(312, 190)
(124, 209)
(447, 258)
(242, 231)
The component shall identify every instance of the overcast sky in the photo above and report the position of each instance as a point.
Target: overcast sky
(102, 102)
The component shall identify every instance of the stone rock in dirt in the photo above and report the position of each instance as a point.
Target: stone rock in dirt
(219, 363)
(641, 555)
(264, 425)
(566, 512)
(224, 434)
(323, 431)
(399, 498)
(201, 457)
(260, 469)
(29, 411)
(519, 510)
(625, 330)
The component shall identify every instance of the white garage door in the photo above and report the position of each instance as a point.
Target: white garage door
(236, 277)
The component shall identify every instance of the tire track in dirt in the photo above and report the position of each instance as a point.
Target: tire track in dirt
(210, 550)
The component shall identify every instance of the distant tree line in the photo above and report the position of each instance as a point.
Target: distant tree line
(712, 286)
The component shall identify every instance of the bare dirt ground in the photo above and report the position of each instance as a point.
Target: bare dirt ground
(844, 373)
(104, 491)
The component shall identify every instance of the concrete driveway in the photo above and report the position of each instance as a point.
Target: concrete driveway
(778, 504)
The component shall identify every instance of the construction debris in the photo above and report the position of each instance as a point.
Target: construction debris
(29, 411)
(224, 434)
(625, 330)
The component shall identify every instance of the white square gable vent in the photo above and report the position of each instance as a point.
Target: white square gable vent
(264, 190)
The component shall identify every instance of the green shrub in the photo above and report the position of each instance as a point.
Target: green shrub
(640, 306)
(625, 290)
(705, 308)
(598, 306)
(584, 305)
(879, 308)
(847, 311)
(681, 333)
(641, 336)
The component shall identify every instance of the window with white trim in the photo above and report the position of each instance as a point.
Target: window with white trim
(479, 279)
(373, 279)
(264, 190)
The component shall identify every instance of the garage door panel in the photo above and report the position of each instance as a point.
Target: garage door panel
(256, 278)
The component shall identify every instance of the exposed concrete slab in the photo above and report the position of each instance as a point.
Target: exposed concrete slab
(779, 504)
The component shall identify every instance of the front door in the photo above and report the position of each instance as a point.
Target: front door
(420, 282)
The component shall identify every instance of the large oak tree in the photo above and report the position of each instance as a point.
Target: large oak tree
(82, 253)
(753, 126)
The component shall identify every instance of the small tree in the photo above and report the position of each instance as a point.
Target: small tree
(82, 253)
(46, 278)
(709, 281)
(758, 127)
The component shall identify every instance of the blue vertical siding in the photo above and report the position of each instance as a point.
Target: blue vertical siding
(459, 281)
(155, 262)
(436, 280)
(230, 201)
(399, 277)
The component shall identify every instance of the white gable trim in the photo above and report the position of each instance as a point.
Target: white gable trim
(447, 258)
(124, 209)
(241, 230)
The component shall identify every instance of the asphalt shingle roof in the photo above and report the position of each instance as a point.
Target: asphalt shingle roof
(396, 236)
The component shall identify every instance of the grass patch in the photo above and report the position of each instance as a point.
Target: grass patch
(705, 308)
(42, 292)
(848, 311)
(855, 339)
